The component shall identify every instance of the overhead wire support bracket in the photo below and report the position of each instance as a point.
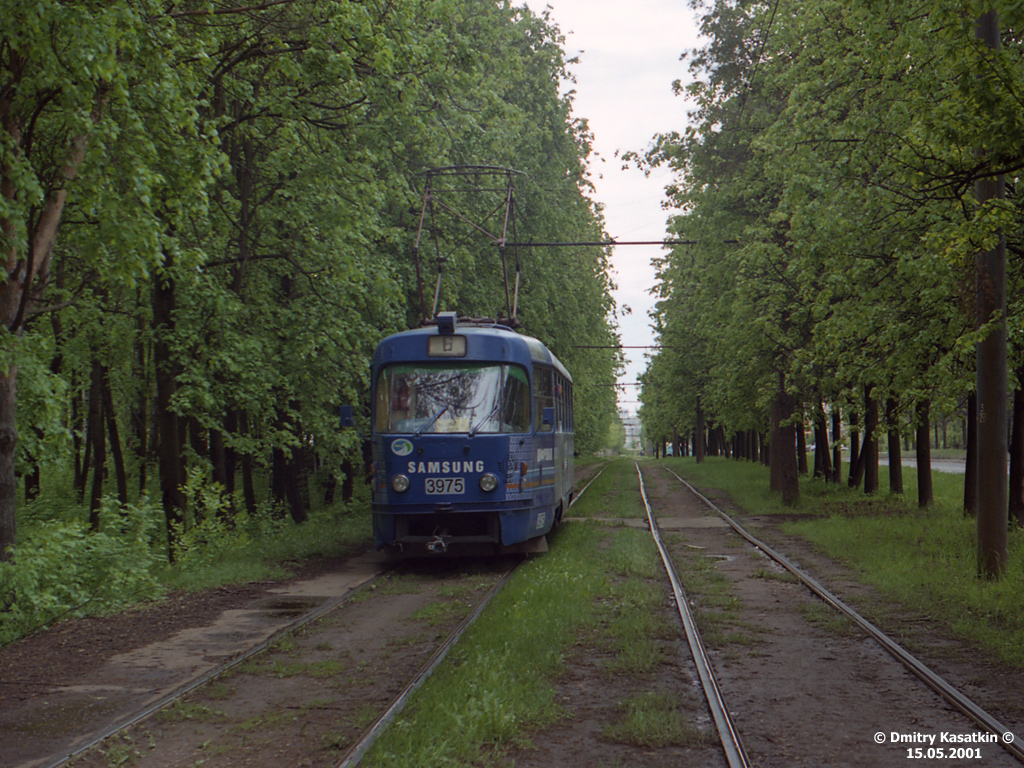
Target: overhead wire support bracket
(469, 182)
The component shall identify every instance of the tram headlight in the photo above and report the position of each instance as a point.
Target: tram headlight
(488, 482)
(400, 483)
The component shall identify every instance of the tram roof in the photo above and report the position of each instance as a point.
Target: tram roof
(485, 341)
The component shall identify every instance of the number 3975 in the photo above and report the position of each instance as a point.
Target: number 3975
(445, 485)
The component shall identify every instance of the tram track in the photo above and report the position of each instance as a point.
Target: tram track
(748, 680)
(307, 667)
(149, 709)
(732, 744)
(358, 750)
(729, 732)
(133, 717)
(951, 694)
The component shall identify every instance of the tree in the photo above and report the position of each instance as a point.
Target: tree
(75, 85)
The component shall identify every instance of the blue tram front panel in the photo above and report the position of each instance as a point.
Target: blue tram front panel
(460, 451)
(496, 489)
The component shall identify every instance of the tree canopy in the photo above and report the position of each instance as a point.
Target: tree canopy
(207, 212)
(828, 178)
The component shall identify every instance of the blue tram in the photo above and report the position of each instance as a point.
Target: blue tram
(472, 436)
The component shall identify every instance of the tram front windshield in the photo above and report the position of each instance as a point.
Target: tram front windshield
(449, 399)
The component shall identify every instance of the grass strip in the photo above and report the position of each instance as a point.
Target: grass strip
(612, 495)
(500, 682)
(499, 679)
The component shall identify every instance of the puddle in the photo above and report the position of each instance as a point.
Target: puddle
(289, 607)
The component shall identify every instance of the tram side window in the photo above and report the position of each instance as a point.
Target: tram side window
(543, 396)
(560, 411)
(515, 406)
(571, 425)
(382, 409)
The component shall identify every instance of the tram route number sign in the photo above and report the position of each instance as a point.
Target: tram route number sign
(436, 486)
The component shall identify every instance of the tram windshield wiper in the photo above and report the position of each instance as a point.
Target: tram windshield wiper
(431, 423)
(480, 424)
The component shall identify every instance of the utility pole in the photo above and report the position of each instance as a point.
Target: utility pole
(990, 293)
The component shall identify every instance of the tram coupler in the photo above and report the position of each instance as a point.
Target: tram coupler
(438, 545)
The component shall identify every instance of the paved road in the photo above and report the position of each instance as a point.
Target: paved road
(952, 466)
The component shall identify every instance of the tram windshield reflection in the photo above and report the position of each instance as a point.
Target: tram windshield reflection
(452, 399)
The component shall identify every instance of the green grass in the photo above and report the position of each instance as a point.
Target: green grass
(654, 720)
(613, 494)
(747, 485)
(498, 685)
(498, 680)
(923, 560)
(634, 625)
(439, 613)
(265, 554)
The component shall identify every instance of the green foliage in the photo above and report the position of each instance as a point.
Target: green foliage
(827, 180)
(237, 199)
(255, 547)
(217, 531)
(61, 570)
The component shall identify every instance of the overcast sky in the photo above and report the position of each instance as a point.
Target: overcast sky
(629, 57)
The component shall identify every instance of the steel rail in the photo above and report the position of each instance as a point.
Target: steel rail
(956, 698)
(197, 682)
(732, 745)
(358, 751)
(589, 483)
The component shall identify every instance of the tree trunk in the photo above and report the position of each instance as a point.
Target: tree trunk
(698, 435)
(171, 466)
(230, 454)
(97, 443)
(723, 443)
(197, 437)
(114, 434)
(870, 451)
(8, 478)
(81, 448)
(801, 445)
(837, 445)
(784, 476)
(139, 412)
(925, 496)
(33, 480)
(278, 477)
(822, 456)
(895, 456)
(971, 468)
(248, 487)
(855, 474)
(1015, 504)
(298, 485)
(23, 271)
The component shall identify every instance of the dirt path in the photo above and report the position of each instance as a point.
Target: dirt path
(61, 686)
